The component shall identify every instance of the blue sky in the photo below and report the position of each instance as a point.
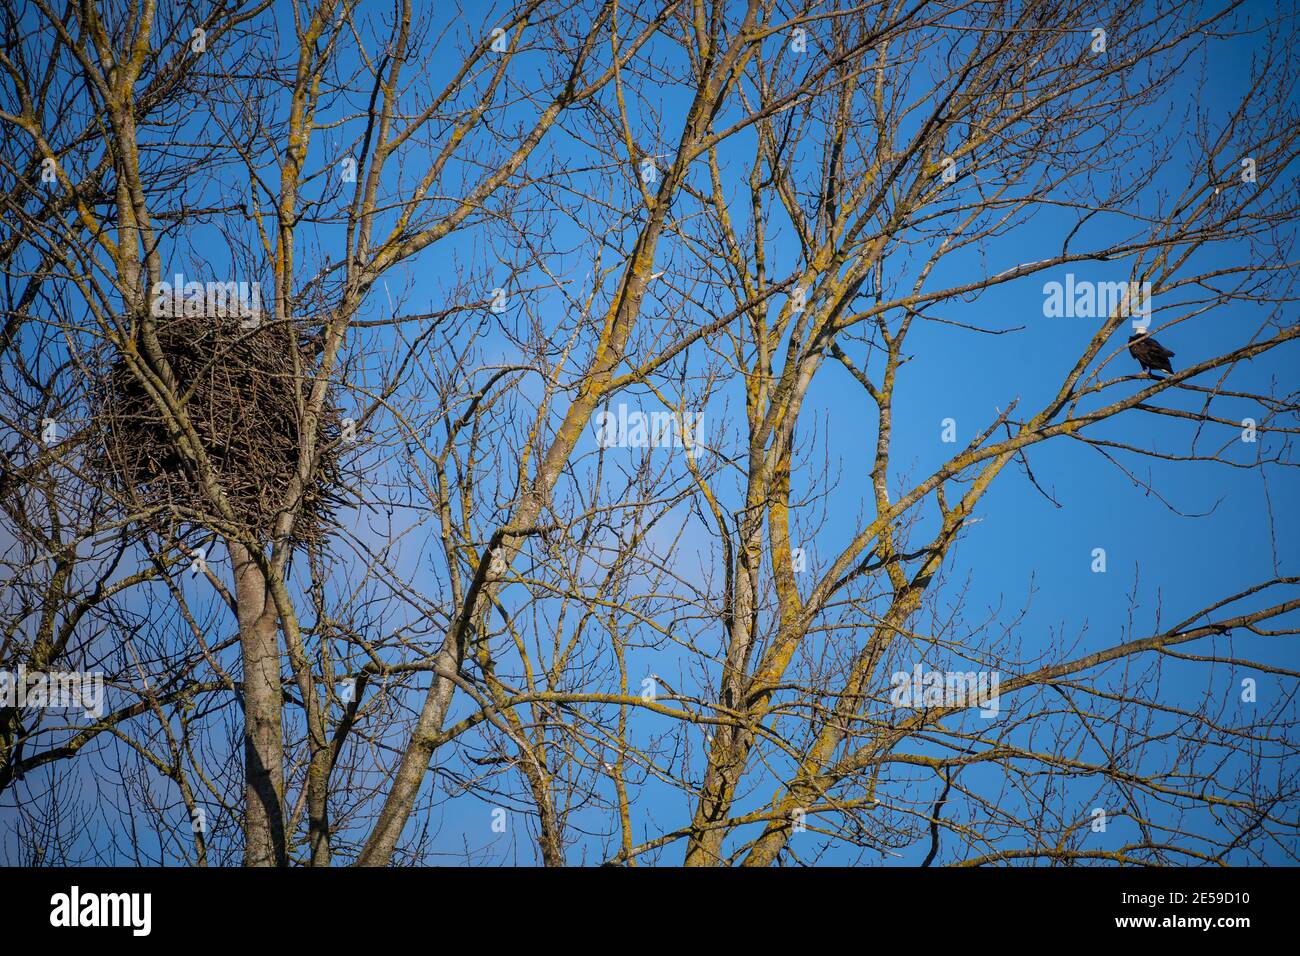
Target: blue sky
(1022, 554)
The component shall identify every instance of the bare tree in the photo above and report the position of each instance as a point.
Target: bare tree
(357, 565)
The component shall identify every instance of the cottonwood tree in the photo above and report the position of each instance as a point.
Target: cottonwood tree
(683, 654)
(807, 666)
(381, 213)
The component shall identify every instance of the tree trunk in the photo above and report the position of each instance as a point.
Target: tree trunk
(263, 706)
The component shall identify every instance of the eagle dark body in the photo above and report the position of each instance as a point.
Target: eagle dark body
(1151, 355)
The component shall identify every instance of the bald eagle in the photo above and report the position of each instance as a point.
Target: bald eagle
(1151, 355)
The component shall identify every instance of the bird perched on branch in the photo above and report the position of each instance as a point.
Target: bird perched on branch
(1151, 355)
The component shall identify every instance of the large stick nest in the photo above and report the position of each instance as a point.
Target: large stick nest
(242, 395)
